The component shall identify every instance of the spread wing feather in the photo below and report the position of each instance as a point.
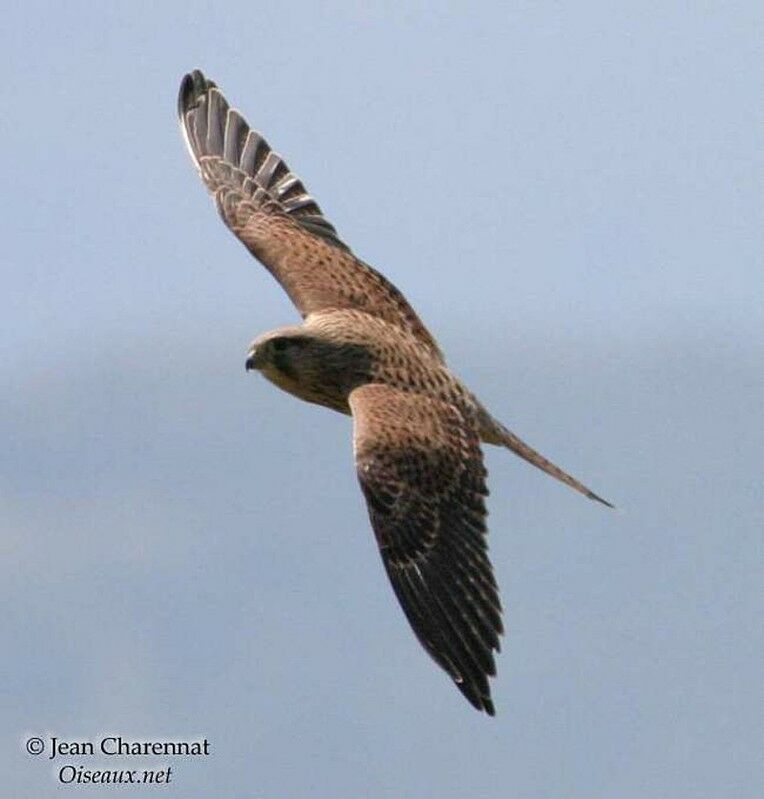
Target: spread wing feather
(421, 470)
(269, 209)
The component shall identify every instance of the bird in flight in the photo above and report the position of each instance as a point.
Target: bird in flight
(363, 351)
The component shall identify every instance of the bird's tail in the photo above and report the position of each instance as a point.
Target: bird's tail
(493, 432)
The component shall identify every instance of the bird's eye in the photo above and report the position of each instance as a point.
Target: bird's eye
(280, 344)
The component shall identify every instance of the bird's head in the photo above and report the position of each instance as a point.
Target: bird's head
(312, 366)
(278, 352)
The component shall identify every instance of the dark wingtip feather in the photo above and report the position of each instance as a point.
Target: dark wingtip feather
(192, 87)
(184, 94)
(480, 700)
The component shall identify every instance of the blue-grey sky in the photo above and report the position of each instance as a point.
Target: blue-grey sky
(570, 195)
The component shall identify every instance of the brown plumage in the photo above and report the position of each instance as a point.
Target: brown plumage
(362, 350)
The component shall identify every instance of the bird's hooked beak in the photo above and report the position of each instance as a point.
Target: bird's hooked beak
(254, 358)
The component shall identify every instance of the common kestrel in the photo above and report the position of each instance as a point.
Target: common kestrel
(362, 350)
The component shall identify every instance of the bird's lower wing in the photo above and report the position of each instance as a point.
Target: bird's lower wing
(421, 470)
(268, 208)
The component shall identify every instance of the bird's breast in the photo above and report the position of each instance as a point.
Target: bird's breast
(318, 392)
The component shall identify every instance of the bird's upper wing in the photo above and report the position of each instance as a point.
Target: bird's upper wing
(421, 470)
(270, 211)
